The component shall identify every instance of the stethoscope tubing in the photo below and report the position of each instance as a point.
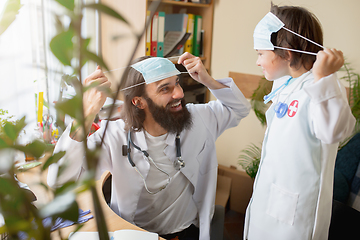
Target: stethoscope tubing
(146, 154)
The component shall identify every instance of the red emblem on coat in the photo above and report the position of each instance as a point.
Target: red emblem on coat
(294, 106)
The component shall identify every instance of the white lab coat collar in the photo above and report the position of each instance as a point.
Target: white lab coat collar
(139, 139)
(278, 82)
(297, 83)
(170, 140)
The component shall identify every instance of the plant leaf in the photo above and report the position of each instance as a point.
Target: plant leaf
(12, 130)
(62, 47)
(6, 186)
(53, 159)
(74, 82)
(3, 143)
(67, 187)
(72, 107)
(107, 10)
(64, 206)
(36, 148)
(250, 159)
(93, 57)
(86, 42)
(257, 103)
(8, 15)
(69, 4)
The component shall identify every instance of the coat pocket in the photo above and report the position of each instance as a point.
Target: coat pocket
(206, 160)
(282, 204)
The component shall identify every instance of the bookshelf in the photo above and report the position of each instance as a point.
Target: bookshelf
(194, 92)
(117, 41)
(206, 10)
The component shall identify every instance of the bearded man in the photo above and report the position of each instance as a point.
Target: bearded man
(166, 180)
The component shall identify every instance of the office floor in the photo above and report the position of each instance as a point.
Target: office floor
(234, 225)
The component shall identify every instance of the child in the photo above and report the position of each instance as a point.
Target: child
(308, 117)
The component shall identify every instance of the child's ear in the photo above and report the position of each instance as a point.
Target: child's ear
(288, 55)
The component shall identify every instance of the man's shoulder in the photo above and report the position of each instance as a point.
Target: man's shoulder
(114, 126)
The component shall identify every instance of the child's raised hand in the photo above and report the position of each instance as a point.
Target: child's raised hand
(327, 62)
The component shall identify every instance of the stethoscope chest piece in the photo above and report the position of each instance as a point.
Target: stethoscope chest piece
(179, 163)
(280, 109)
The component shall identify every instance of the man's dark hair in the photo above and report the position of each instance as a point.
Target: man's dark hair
(133, 116)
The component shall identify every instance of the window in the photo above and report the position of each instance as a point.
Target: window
(27, 65)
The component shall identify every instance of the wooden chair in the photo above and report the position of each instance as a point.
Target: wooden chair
(247, 83)
(217, 223)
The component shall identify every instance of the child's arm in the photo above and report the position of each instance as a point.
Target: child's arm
(330, 113)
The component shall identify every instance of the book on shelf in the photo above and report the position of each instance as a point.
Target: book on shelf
(169, 31)
(154, 34)
(197, 35)
(173, 42)
(201, 48)
(176, 22)
(190, 29)
(148, 34)
(161, 33)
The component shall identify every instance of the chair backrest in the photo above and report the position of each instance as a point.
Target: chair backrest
(247, 83)
(222, 190)
(106, 187)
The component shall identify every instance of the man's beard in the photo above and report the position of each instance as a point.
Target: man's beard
(173, 122)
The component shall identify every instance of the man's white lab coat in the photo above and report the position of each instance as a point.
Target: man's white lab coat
(197, 149)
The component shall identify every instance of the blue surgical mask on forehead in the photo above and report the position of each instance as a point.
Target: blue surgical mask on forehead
(155, 69)
(268, 25)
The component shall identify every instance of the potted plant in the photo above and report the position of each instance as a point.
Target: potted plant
(353, 79)
(249, 159)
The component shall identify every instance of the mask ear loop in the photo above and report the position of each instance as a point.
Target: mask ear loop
(138, 83)
(294, 50)
(300, 51)
(129, 66)
(281, 107)
(317, 44)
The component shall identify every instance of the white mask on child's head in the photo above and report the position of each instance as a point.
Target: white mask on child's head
(268, 25)
(263, 30)
(155, 69)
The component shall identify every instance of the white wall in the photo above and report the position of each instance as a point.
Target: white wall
(234, 23)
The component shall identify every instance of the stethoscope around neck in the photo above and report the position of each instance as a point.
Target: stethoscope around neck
(178, 164)
(281, 108)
